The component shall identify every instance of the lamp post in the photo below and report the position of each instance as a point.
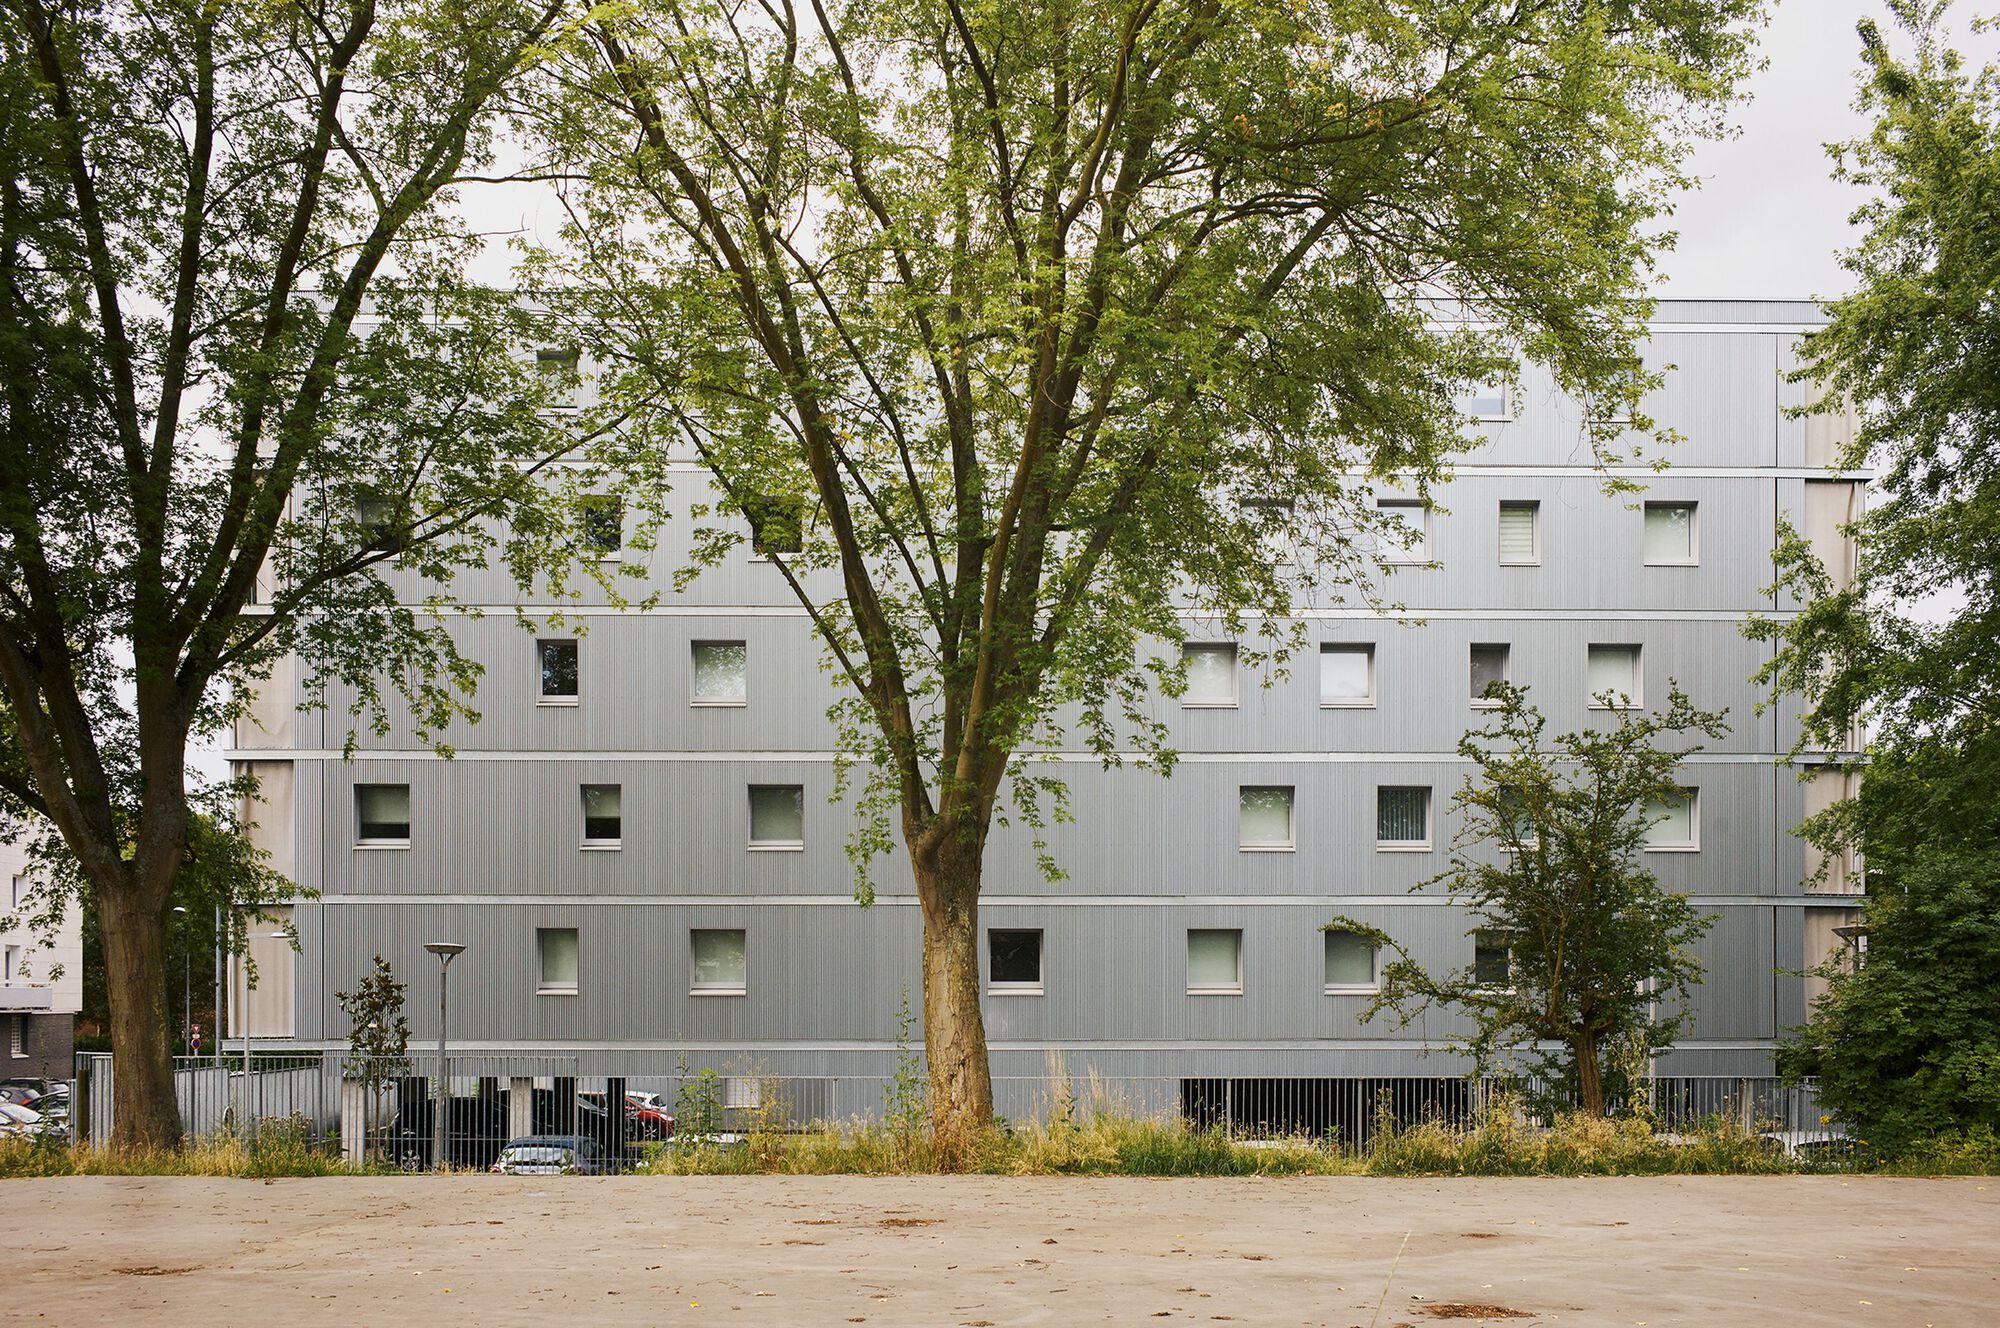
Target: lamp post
(187, 981)
(446, 951)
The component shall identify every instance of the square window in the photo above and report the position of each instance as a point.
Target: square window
(1520, 534)
(1612, 676)
(1264, 817)
(1347, 675)
(603, 526)
(1490, 665)
(556, 951)
(1211, 673)
(1406, 537)
(602, 818)
(382, 813)
(1014, 962)
(1350, 962)
(1673, 823)
(1402, 818)
(1670, 535)
(1493, 958)
(721, 673)
(777, 816)
(558, 661)
(777, 524)
(1215, 962)
(375, 514)
(1489, 400)
(721, 962)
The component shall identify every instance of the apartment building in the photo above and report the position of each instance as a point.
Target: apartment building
(41, 984)
(637, 845)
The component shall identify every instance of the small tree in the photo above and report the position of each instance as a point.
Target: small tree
(1580, 957)
(378, 1047)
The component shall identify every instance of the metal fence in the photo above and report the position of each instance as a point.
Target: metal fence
(385, 1110)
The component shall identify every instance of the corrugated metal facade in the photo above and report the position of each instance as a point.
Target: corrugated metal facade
(495, 847)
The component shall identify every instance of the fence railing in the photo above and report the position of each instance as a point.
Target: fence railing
(384, 1110)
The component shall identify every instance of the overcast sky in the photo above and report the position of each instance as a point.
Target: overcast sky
(1769, 221)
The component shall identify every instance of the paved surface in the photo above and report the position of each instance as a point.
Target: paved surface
(980, 1251)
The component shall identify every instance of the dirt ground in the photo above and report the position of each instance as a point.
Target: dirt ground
(418, 1251)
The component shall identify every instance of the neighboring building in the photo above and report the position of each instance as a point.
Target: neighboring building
(636, 843)
(39, 1011)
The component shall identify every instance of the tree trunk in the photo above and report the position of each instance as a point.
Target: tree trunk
(1589, 1081)
(961, 1082)
(145, 1112)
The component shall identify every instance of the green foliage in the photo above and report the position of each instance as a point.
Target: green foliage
(1599, 957)
(903, 1098)
(379, 1040)
(1908, 1046)
(697, 1104)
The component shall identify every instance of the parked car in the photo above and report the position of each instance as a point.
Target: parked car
(19, 1122)
(643, 1124)
(550, 1155)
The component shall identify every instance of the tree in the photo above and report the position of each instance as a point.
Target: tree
(1908, 1043)
(378, 1044)
(242, 379)
(1049, 325)
(1577, 947)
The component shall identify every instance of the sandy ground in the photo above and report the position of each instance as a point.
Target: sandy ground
(420, 1251)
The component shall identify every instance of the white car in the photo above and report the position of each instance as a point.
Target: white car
(17, 1122)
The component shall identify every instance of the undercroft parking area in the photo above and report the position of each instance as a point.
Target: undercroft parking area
(986, 1252)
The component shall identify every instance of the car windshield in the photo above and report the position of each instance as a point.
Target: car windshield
(539, 1155)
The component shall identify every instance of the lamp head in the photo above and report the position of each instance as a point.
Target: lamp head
(444, 949)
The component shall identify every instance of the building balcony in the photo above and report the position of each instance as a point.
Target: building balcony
(18, 997)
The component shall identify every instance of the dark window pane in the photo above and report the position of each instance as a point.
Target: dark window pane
(1489, 668)
(558, 668)
(1017, 956)
(603, 817)
(777, 525)
(383, 811)
(603, 526)
(1492, 959)
(1402, 815)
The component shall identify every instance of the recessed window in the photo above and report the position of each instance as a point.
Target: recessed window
(1264, 817)
(777, 524)
(556, 359)
(381, 528)
(1489, 400)
(1673, 823)
(1347, 676)
(1402, 818)
(1670, 535)
(603, 819)
(558, 661)
(721, 962)
(1493, 959)
(777, 816)
(1490, 663)
(1014, 962)
(1406, 537)
(382, 814)
(1215, 962)
(1211, 673)
(1520, 534)
(1612, 677)
(721, 673)
(603, 526)
(556, 952)
(17, 1037)
(1516, 826)
(1350, 962)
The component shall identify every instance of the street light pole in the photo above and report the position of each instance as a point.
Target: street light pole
(187, 979)
(446, 951)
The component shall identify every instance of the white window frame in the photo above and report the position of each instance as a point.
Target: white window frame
(1187, 953)
(716, 988)
(590, 550)
(694, 674)
(1533, 506)
(1367, 650)
(1374, 982)
(1693, 841)
(543, 987)
(1506, 415)
(1430, 821)
(773, 845)
(1035, 988)
(584, 842)
(542, 698)
(1404, 555)
(1508, 937)
(1693, 558)
(1506, 674)
(409, 814)
(1291, 844)
(1235, 684)
(1637, 699)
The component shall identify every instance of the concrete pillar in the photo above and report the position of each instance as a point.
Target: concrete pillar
(353, 1122)
(520, 1107)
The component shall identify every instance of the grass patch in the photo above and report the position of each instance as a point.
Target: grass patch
(265, 1159)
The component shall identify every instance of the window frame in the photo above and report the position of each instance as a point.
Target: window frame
(1291, 844)
(593, 550)
(694, 676)
(1692, 844)
(1533, 507)
(1636, 700)
(1190, 648)
(1404, 555)
(774, 845)
(585, 842)
(1693, 509)
(995, 987)
(1425, 845)
(695, 986)
(556, 699)
(1506, 649)
(1507, 950)
(1367, 650)
(544, 987)
(361, 839)
(1506, 394)
(1188, 959)
(1374, 983)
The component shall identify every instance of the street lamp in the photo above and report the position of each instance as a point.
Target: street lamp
(187, 981)
(446, 951)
